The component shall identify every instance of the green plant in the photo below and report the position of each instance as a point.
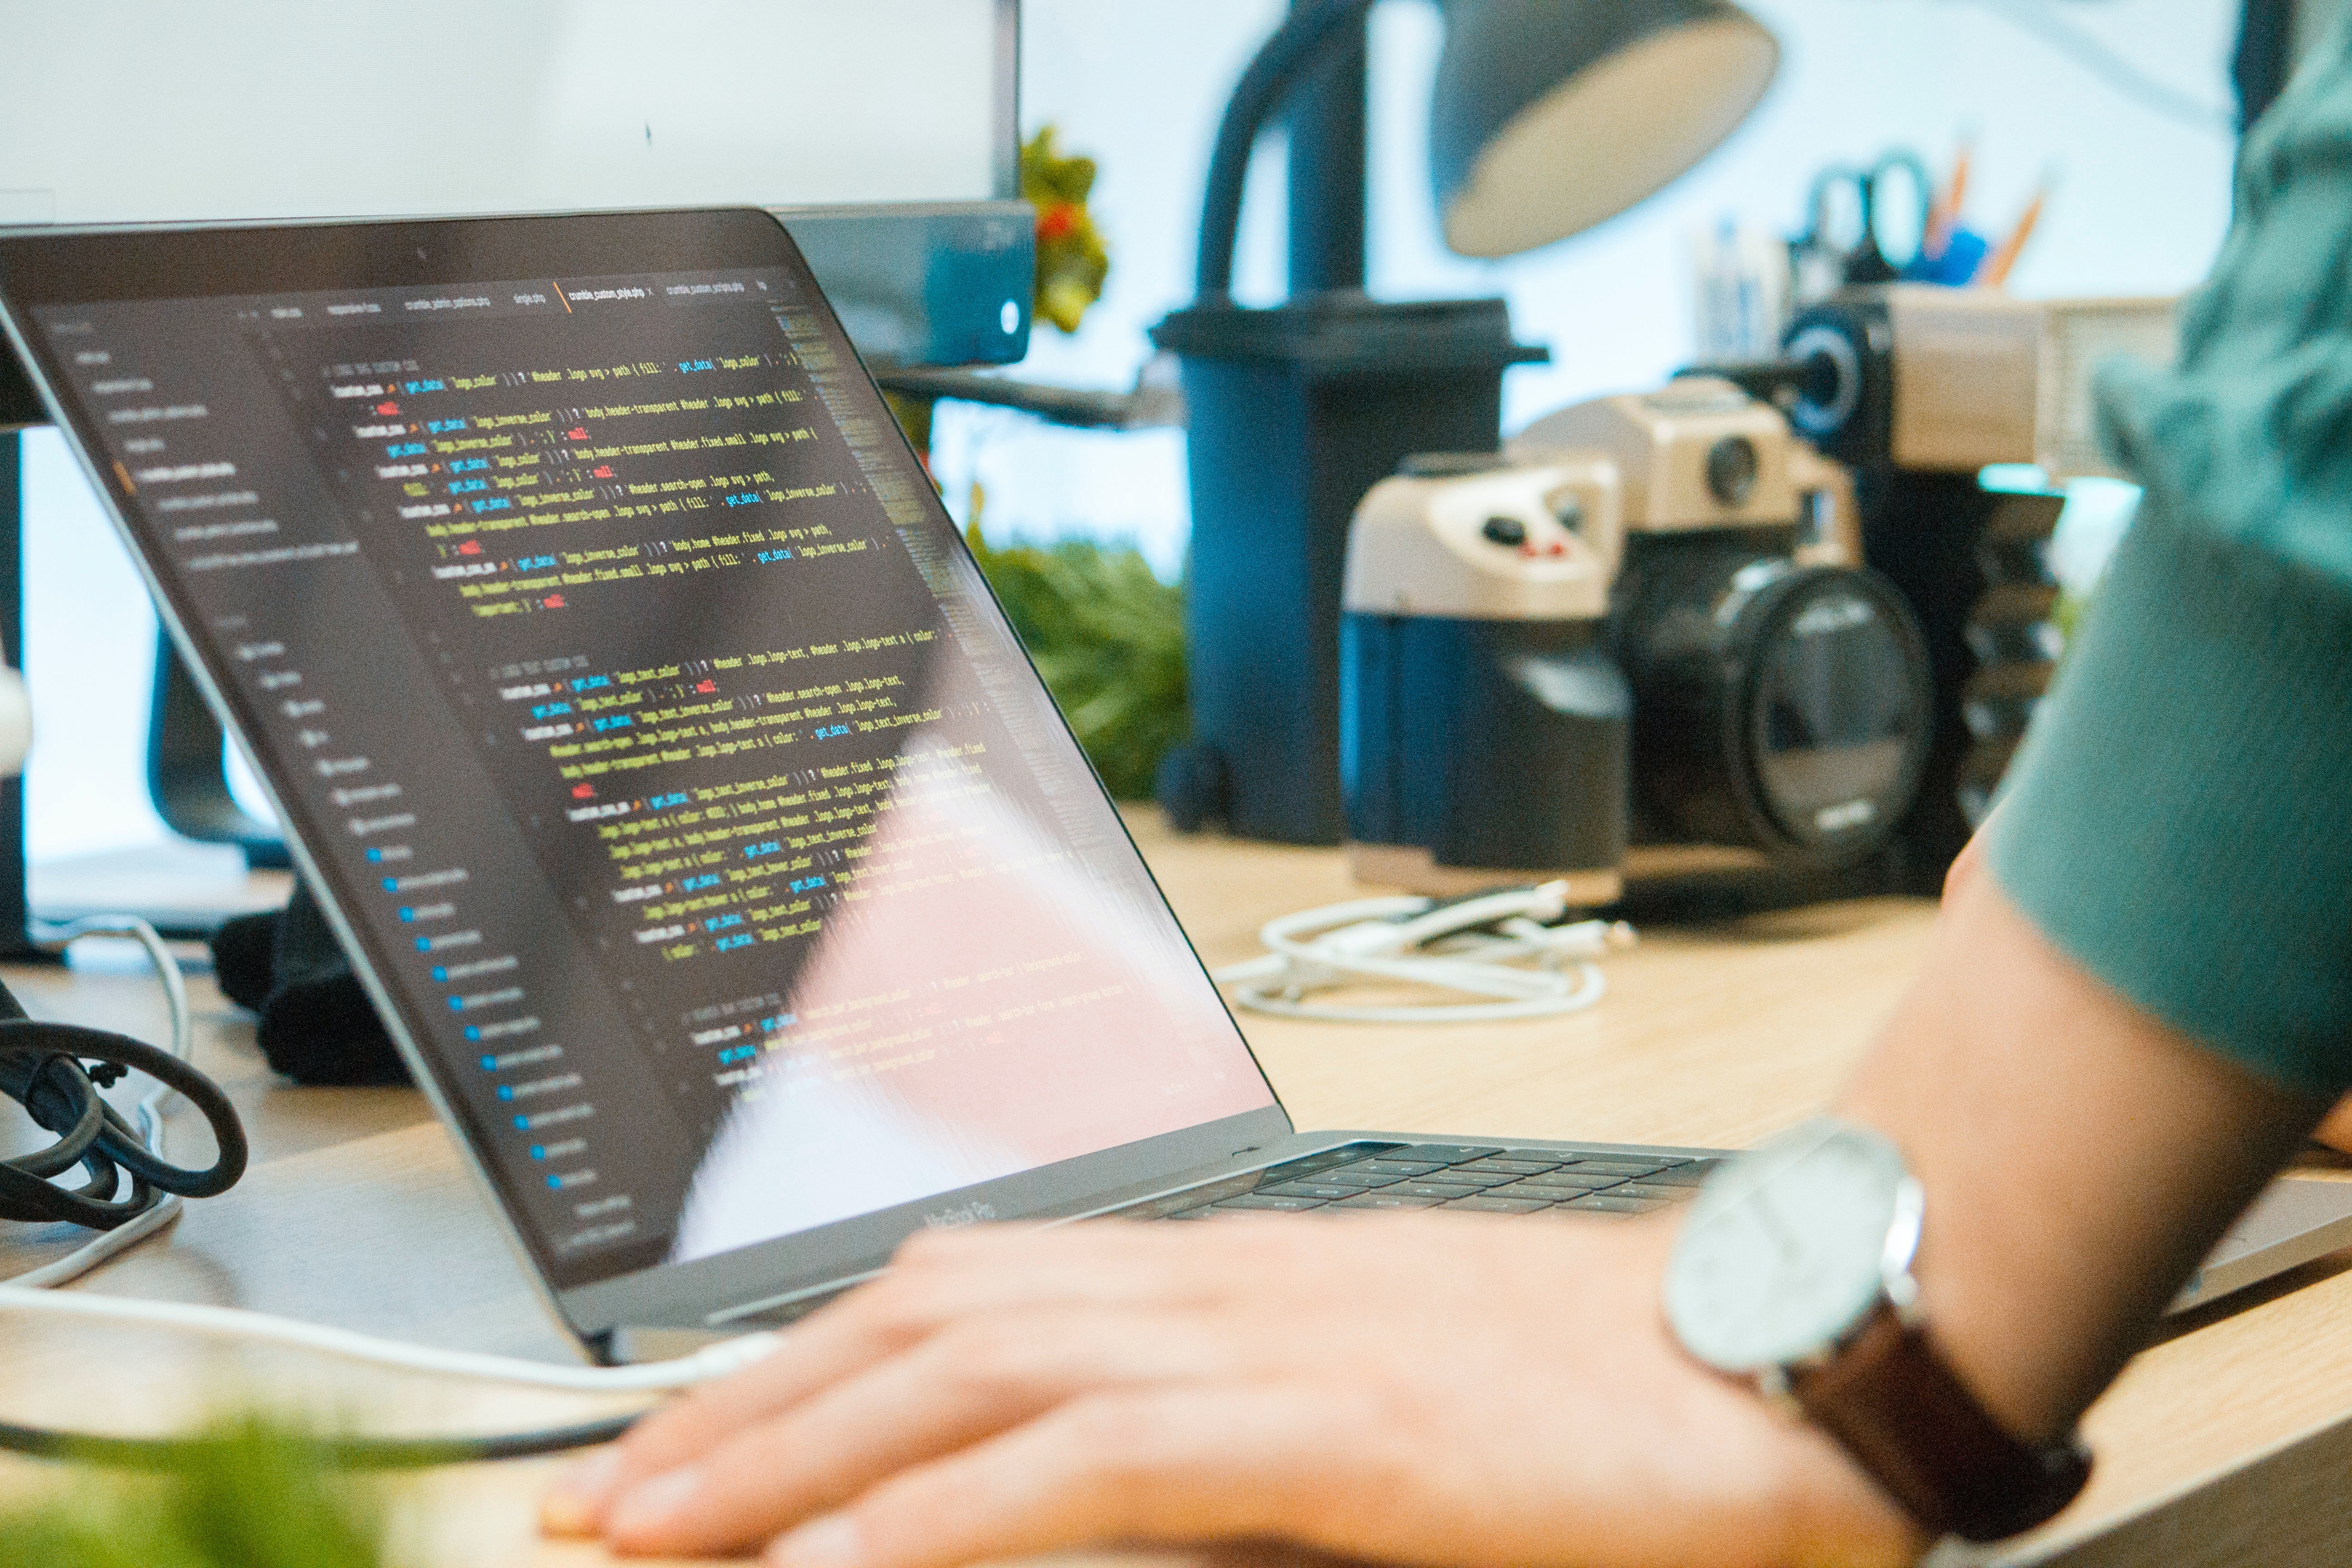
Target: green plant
(1109, 638)
(1072, 261)
(249, 1492)
(2067, 613)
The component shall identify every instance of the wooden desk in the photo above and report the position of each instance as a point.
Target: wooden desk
(2222, 1445)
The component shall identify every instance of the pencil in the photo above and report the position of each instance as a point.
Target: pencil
(1995, 270)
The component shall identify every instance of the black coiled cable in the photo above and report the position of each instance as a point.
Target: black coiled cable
(42, 1068)
(55, 1071)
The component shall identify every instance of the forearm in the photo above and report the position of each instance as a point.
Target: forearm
(2079, 1156)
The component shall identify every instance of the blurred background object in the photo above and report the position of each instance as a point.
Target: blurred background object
(1628, 628)
(1743, 275)
(907, 202)
(1921, 391)
(1107, 636)
(1544, 120)
(2142, 207)
(1071, 260)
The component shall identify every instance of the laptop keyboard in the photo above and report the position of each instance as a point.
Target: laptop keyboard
(1478, 1178)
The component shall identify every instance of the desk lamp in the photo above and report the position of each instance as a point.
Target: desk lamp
(1547, 118)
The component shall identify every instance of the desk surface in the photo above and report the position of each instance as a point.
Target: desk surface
(357, 1212)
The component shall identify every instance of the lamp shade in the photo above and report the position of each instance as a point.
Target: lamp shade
(1551, 116)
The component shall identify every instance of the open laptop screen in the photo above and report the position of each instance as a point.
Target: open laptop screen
(658, 739)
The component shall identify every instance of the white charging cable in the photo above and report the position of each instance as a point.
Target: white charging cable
(235, 1323)
(1497, 945)
(27, 1293)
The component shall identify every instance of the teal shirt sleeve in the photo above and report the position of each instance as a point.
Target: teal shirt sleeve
(2179, 820)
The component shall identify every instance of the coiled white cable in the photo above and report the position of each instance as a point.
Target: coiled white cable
(1495, 944)
(28, 1292)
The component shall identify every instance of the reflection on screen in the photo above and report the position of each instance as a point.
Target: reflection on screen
(619, 669)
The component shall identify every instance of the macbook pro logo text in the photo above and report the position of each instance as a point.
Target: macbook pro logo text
(970, 1213)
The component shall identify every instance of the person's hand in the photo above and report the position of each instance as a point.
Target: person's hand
(1429, 1389)
(1968, 864)
(2335, 1130)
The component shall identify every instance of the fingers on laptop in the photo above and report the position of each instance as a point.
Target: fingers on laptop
(1155, 1466)
(967, 1384)
(930, 1286)
(937, 1278)
(970, 1335)
(1191, 1382)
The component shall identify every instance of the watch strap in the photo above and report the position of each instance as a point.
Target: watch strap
(1894, 1403)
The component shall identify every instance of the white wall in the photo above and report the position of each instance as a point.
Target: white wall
(123, 110)
(2140, 206)
(89, 640)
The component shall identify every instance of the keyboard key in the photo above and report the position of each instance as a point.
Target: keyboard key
(1489, 1203)
(1649, 1190)
(1444, 1191)
(1630, 1169)
(1269, 1202)
(1389, 1168)
(1572, 1176)
(1188, 1214)
(1346, 1154)
(1326, 1190)
(1689, 1174)
(1356, 1176)
(1537, 1192)
(1188, 1202)
(1509, 1165)
(1314, 1168)
(1444, 1153)
(1383, 1199)
(1609, 1203)
(1455, 1177)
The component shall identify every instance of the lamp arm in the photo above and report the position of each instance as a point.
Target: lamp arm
(1269, 76)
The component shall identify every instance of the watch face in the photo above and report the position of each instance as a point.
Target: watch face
(1788, 1250)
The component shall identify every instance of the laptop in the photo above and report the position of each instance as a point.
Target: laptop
(717, 862)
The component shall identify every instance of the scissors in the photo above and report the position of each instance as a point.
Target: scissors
(1864, 262)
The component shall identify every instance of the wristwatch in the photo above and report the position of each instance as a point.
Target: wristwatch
(1794, 1269)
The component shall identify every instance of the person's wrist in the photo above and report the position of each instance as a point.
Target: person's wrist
(2079, 1157)
(1833, 1501)
(1826, 1506)
(1793, 1269)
